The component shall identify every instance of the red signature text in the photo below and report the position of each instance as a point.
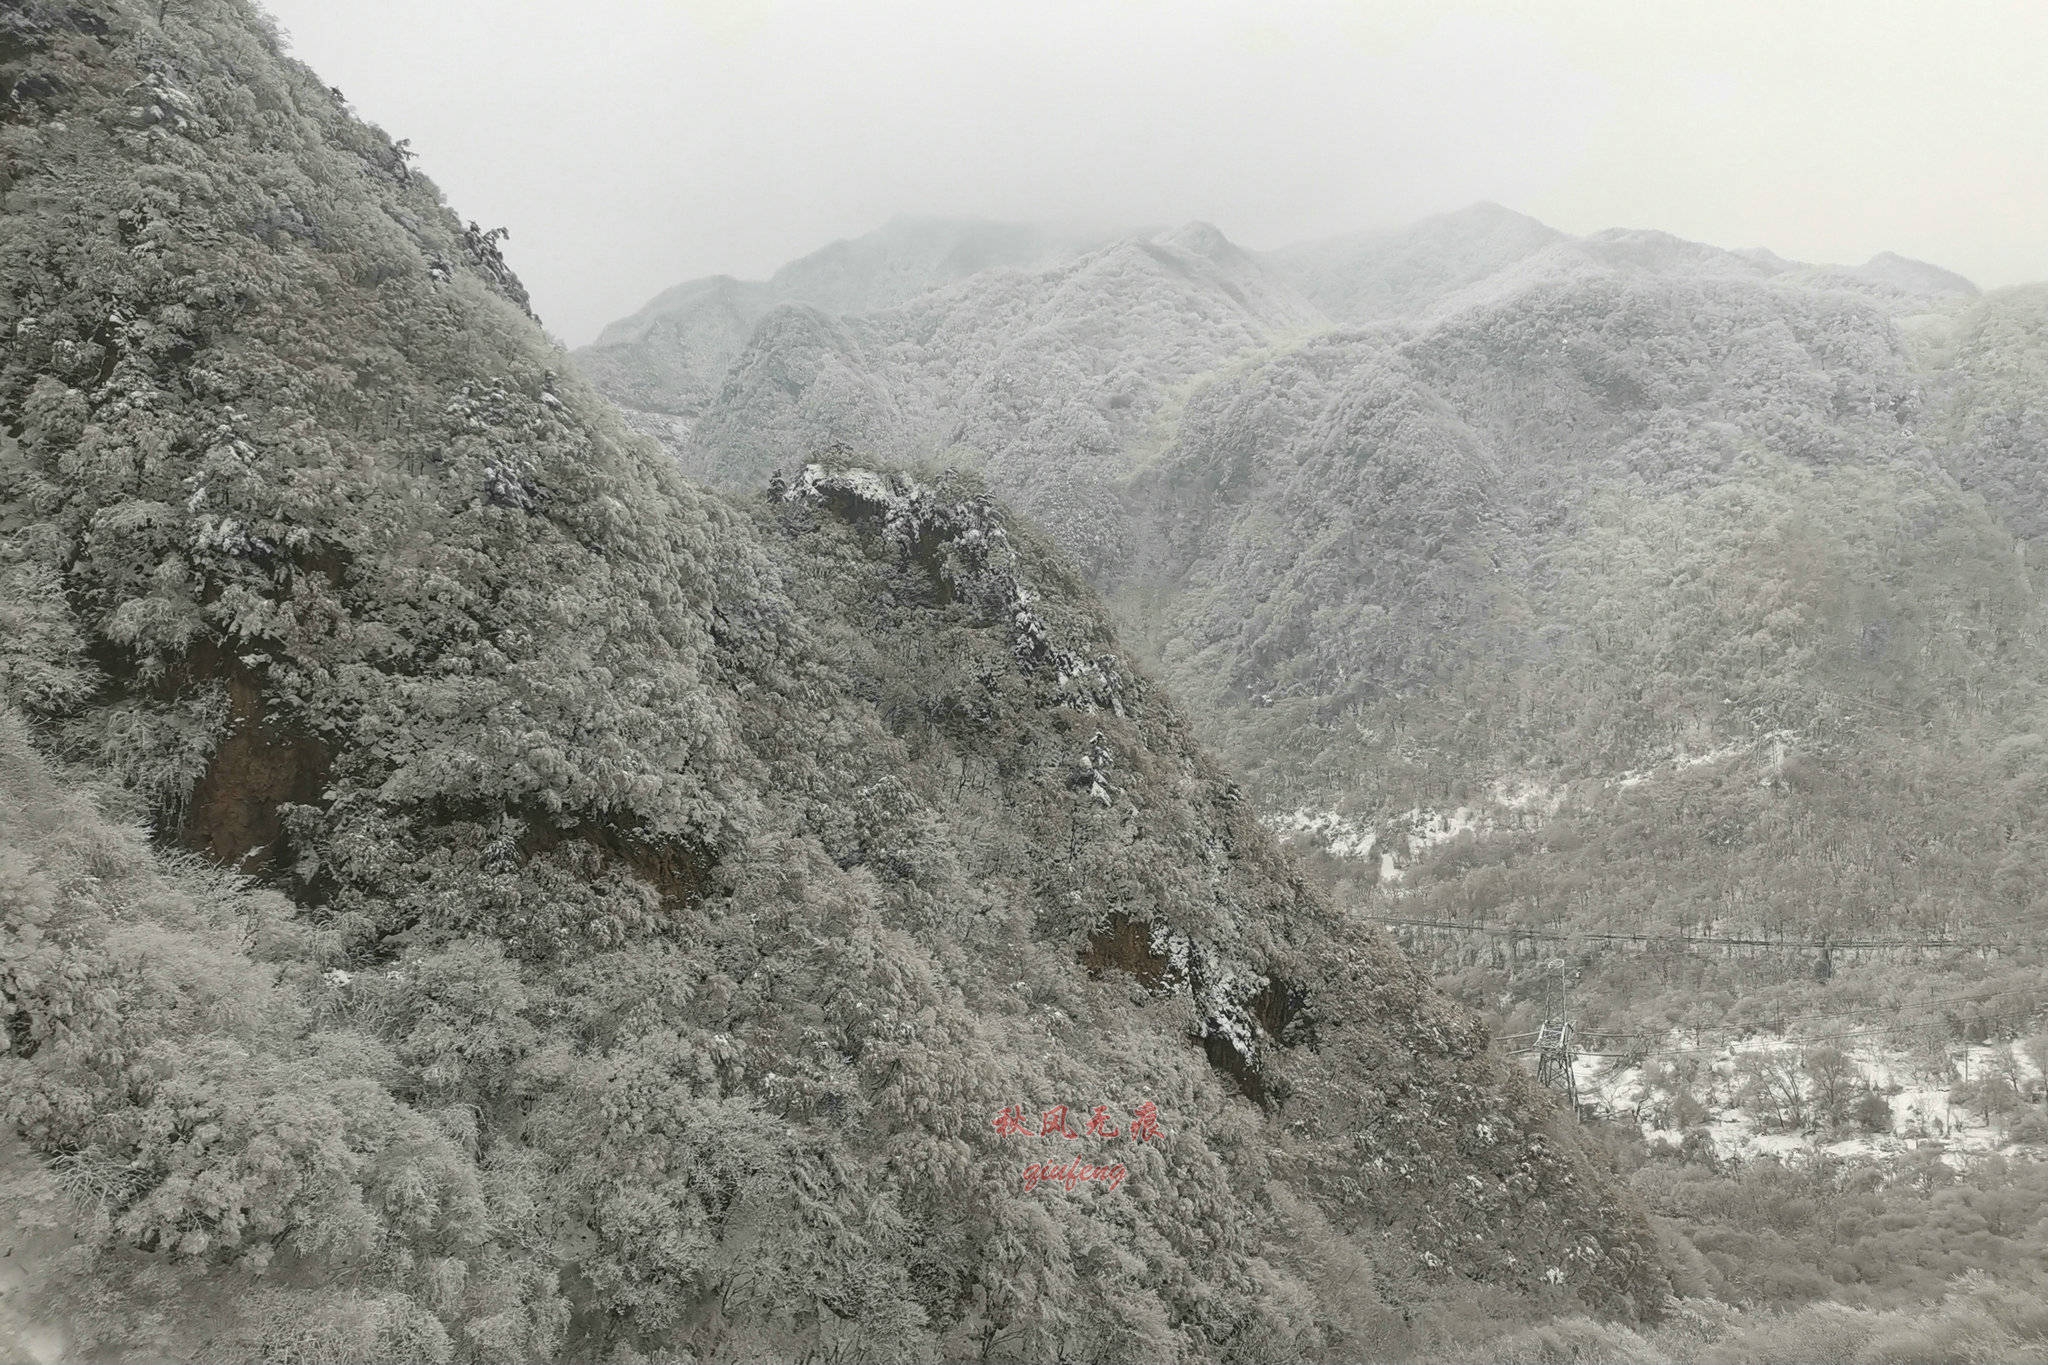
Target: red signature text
(1071, 1174)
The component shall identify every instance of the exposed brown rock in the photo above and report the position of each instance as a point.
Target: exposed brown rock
(1125, 944)
(679, 873)
(235, 813)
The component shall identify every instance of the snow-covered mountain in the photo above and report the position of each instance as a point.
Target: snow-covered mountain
(1410, 517)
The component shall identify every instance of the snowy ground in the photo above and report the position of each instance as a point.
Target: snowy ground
(1921, 1109)
(1517, 801)
(1409, 835)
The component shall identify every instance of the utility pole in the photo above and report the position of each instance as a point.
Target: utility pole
(1554, 1047)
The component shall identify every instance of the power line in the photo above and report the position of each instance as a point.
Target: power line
(2022, 919)
(1703, 940)
(1560, 1038)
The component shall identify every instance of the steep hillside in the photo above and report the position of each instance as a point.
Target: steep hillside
(586, 918)
(1989, 376)
(1494, 479)
(668, 360)
(1600, 526)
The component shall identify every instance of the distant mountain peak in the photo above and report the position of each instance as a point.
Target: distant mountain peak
(1767, 258)
(1488, 210)
(1916, 276)
(1376, 275)
(1204, 239)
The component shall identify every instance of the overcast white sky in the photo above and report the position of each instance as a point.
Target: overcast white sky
(632, 144)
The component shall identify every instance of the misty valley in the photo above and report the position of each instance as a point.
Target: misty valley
(1007, 792)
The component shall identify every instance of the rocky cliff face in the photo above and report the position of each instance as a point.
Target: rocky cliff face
(587, 917)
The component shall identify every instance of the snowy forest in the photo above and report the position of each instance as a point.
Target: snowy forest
(1004, 794)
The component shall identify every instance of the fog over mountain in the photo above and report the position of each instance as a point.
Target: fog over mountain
(634, 143)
